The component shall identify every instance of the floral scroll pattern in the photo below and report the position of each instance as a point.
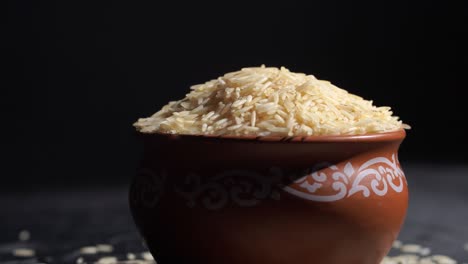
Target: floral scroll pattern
(243, 188)
(148, 188)
(377, 175)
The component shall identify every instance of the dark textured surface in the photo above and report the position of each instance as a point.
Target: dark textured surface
(438, 212)
(61, 222)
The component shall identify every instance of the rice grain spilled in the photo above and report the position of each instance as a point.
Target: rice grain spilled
(24, 252)
(24, 235)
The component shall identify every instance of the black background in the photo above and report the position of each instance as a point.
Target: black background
(79, 74)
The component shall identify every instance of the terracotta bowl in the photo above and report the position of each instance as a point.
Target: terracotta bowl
(233, 200)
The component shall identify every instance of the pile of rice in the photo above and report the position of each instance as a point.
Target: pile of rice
(265, 101)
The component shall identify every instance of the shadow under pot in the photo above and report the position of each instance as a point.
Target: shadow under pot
(250, 200)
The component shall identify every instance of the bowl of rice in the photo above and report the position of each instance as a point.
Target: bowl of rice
(264, 165)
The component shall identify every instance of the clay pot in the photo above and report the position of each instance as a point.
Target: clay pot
(247, 200)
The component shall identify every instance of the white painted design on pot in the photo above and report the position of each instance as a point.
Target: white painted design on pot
(148, 188)
(325, 182)
(348, 182)
(242, 188)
